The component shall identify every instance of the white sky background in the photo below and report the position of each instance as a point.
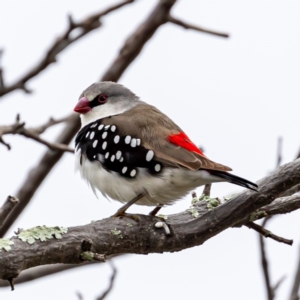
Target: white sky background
(232, 96)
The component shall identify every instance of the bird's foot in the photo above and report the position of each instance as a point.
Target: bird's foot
(121, 213)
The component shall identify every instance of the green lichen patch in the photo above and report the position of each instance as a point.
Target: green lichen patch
(117, 232)
(87, 255)
(42, 233)
(212, 203)
(193, 211)
(257, 215)
(5, 244)
(229, 197)
(163, 217)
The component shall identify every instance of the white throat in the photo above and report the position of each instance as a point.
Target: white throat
(104, 111)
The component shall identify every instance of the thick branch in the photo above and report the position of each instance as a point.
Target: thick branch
(115, 236)
(194, 27)
(61, 43)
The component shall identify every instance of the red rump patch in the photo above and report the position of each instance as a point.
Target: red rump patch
(182, 140)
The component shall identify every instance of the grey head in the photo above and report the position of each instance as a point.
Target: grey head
(104, 99)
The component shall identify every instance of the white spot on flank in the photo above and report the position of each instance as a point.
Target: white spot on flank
(133, 143)
(113, 128)
(100, 127)
(94, 125)
(104, 135)
(104, 145)
(117, 139)
(121, 159)
(95, 143)
(112, 158)
(138, 141)
(94, 156)
(149, 155)
(157, 167)
(118, 154)
(132, 173)
(106, 127)
(127, 139)
(87, 134)
(106, 155)
(124, 170)
(92, 135)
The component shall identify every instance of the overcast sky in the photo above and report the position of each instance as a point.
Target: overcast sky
(233, 96)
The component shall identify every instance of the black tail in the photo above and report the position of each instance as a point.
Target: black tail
(235, 179)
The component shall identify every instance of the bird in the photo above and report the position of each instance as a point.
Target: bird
(131, 152)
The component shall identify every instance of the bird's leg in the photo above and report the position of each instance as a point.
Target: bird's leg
(121, 212)
(155, 210)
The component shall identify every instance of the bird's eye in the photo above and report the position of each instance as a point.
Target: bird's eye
(102, 98)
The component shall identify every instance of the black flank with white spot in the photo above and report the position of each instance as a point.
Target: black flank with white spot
(121, 154)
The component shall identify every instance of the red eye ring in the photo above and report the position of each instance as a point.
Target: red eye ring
(102, 98)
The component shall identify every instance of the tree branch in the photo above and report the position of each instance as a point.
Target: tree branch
(194, 27)
(111, 283)
(296, 284)
(268, 234)
(265, 264)
(61, 43)
(115, 236)
(136, 42)
(7, 208)
(33, 133)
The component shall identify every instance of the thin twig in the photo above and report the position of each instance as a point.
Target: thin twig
(111, 283)
(7, 207)
(1, 70)
(197, 28)
(279, 151)
(265, 264)
(206, 190)
(296, 285)
(33, 133)
(87, 25)
(266, 233)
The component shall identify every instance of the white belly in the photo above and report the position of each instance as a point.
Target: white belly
(165, 188)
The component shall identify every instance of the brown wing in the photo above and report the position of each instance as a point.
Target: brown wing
(153, 127)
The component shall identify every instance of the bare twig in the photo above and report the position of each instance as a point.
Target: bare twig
(33, 133)
(7, 207)
(197, 28)
(265, 264)
(206, 190)
(135, 42)
(279, 151)
(111, 283)
(86, 26)
(266, 233)
(296, 285)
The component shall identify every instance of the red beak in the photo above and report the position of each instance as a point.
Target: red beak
(83, 106)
